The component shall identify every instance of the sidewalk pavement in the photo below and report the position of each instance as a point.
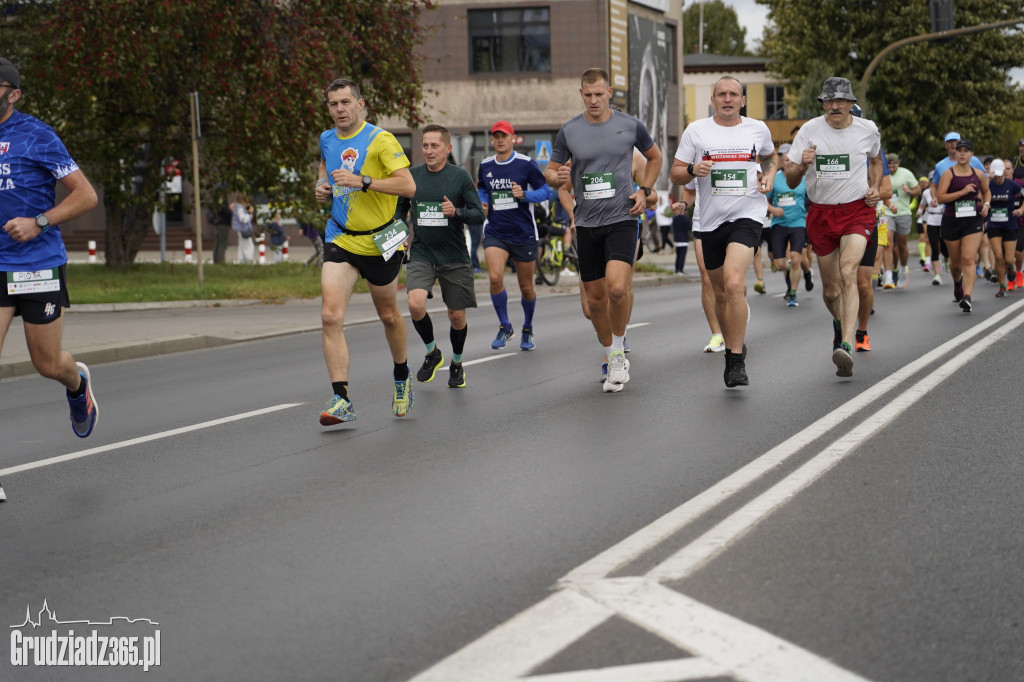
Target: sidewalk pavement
(101, 333)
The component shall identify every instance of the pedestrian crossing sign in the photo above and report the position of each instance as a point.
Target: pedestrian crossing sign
(543, 153)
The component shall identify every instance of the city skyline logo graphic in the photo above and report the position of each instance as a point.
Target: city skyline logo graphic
(52, 617)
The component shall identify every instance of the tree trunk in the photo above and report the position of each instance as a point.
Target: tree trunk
(126, 228)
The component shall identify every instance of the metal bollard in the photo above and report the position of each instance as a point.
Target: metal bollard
(92, 252)
(188, 250)
(263, 252)
(284, 250)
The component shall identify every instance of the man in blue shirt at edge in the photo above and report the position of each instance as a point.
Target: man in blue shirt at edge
(502, 182)
(32, 255)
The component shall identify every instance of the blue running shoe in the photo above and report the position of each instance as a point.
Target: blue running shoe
(84, 411)
(791, 302)
(527, 342)
(337, 411)
(604, 373)
(401, 405)
(504, 334)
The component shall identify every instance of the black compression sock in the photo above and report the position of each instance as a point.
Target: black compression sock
(401, 371)
(340, 388)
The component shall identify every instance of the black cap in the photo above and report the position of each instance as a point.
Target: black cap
(9, 73)
(964, 143)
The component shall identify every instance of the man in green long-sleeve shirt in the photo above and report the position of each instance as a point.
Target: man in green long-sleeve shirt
(445, 199)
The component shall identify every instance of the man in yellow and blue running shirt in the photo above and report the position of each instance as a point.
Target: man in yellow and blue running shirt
(363, 171)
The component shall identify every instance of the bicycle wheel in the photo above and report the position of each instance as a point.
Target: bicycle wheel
(546, 268)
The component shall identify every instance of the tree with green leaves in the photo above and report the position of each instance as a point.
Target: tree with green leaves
(113, 77)
(919, 92)
(722, 31)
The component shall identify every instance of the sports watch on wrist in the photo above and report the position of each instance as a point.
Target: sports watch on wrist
(42, 222)
(646, 190)
(689, 169)
(366, 182)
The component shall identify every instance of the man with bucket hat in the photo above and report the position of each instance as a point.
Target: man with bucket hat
(843, 192)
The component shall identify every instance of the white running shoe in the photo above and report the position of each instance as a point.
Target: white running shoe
(937, 280)
(715, 345)
(901, 281)
(618, 372)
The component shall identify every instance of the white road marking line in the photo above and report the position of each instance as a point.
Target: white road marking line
(479, 360)
(142, 439)
(520, 644)
(644, 539)
(659, 671)
(705, 548)
(636, 324)
(747, 652)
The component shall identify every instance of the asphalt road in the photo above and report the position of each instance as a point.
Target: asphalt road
(805, 527)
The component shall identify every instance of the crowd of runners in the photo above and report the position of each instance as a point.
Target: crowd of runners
(832, 195)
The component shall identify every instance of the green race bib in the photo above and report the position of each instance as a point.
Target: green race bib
(390, 238)
(503, 200)
(429, 214)
(730, 182)
(834, 166)
(965, 208)
(598, 185)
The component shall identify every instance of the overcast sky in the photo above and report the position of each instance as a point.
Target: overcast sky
(753, 18)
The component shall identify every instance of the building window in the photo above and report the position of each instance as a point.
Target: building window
(510, 40)
(774, 103)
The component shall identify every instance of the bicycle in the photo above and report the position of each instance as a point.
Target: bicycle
(552, 257)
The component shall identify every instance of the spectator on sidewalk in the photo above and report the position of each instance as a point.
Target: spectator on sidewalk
(277, 236)
(242, 224)
(221, 221)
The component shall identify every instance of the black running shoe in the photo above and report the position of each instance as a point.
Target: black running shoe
(808, 280)
(431, 362)
(456, 375)
(958, 291)
(736, 369)
(965, 304)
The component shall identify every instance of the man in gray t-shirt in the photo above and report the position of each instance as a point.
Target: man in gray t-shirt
(595, 152)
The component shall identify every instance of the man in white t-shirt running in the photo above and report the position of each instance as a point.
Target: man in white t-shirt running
(844, 191)
(724, 153)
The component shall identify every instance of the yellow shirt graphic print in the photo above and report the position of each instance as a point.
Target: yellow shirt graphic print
(369, 151)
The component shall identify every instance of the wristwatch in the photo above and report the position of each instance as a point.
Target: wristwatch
(366, 182)
(646, 190)
(689, 169)
(42, 222)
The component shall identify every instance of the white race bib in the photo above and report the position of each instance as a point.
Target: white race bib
(34, 282)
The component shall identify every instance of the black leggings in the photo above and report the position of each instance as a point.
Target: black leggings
(938, 245)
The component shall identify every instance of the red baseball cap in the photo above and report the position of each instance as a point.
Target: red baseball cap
(503, 126)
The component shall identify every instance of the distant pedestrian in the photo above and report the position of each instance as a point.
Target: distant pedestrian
(32, 255)
(242, 225)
